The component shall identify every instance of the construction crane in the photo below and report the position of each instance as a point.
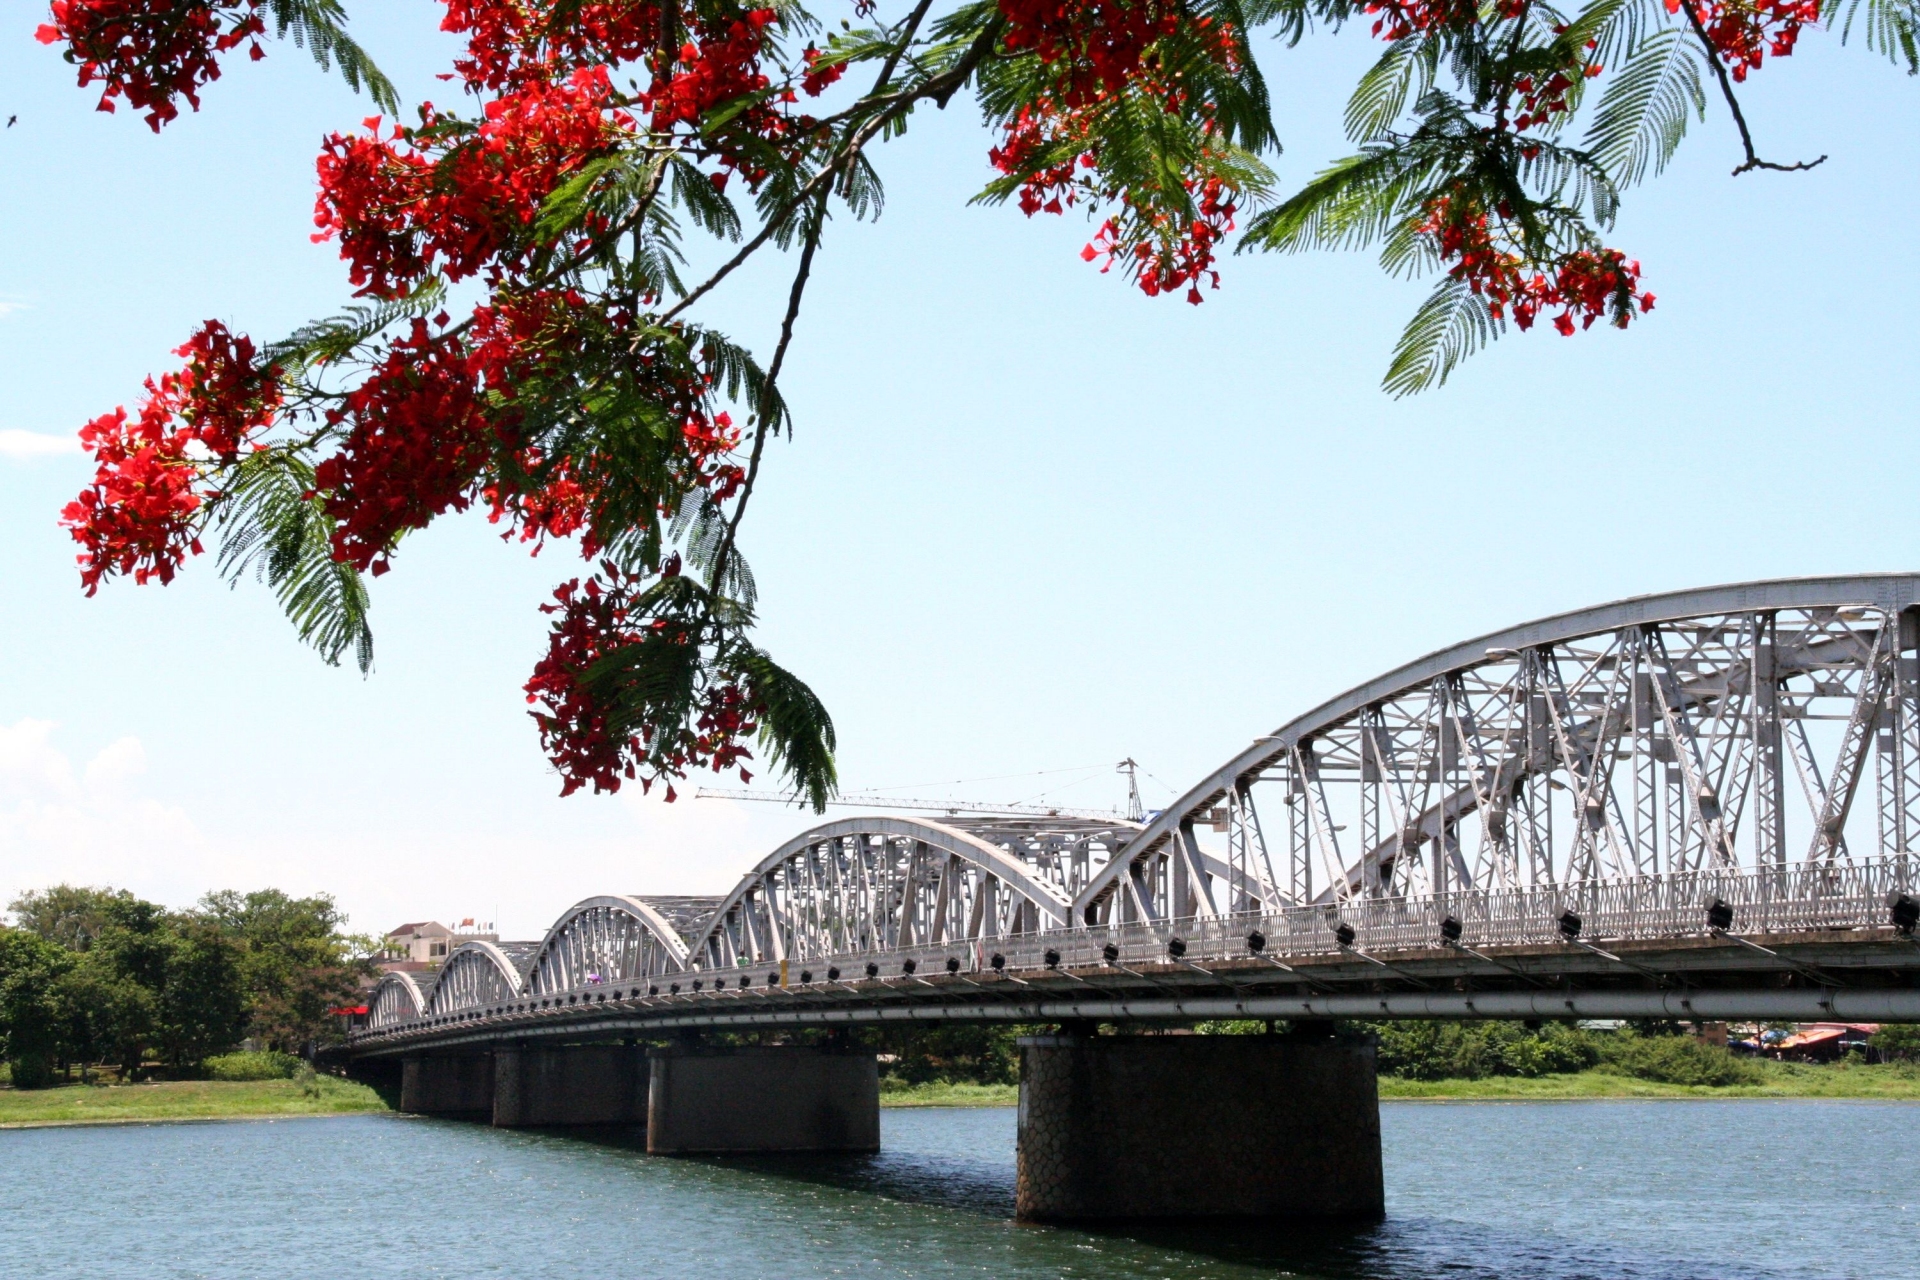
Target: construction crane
(955, 808)
(1136, 812)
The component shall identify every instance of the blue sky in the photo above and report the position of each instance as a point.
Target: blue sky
(1031, 520)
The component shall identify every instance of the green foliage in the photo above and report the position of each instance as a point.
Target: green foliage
(70, 916)
(950, 1053)
(30, 1015)
(296, 962)
(253, 1066)
(320, 26)
(1673, 1059)
(137, 983)
(1897, 1042)
(1418, 1050)
(274, 525)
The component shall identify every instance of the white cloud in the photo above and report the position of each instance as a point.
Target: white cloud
(8, 308)
(35, 444)
(91, 826)
(99, 818)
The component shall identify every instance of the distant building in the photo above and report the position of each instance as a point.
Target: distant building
(426, 944)
(1824, 1041)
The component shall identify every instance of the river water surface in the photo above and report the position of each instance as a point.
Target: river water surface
(1482, 1191)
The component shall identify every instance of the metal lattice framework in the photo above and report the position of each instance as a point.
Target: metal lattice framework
(1717, 730)
(606, 940)
(1675, 775)
(398, 999)
(478, 976)
(873, 884)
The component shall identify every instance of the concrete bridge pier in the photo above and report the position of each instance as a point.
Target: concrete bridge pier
(569, 1085)
(1269, 1127)
(447, 1084)
(762, 1099)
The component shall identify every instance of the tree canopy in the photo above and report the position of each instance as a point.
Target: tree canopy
(590, 143)
(100, 975)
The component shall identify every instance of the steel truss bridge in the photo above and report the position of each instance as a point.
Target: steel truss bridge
(1698, 805)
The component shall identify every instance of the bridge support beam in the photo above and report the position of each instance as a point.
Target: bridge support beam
(1115, 1127)
(569, 1084)
(447, 1084)
(762, 1099)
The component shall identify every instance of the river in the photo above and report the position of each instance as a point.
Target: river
(1481, 1191)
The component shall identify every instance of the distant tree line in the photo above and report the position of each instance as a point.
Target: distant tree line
(95, 975)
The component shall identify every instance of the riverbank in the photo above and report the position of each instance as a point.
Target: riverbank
(940, 1093)
(1889, 1082)
(268, 1099)
(184, 1100)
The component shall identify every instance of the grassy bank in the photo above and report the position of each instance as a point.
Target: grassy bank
(939, 1093)
(1777, 1080)
(184, 1100)
(234, 1100)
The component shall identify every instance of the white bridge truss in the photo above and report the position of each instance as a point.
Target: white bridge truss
(1753, 749)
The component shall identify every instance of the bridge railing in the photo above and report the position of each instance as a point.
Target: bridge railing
(1791, 899)
(1842, 895)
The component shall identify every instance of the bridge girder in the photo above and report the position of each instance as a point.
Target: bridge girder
(397, 999)
(1634, 738)
(879, 882)
(612, 938)
(476, 975)
(1631, 773)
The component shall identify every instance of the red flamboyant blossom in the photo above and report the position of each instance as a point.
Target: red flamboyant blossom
(418, 438)
(1744, 32)
(594, 622)
(139, 515)
(152, 51)
(1054, 188)
(1585, 284)
(414, 203)
(510, 42)
(1399, 19)
(1094, 46)
(1161, 257)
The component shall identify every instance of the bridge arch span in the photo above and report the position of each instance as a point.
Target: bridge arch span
(1689, 732)
(607, 939)
(397, 1000)
(478, 977)
(880, 883)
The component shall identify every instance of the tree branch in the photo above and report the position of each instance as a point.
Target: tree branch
(938, 89)
(1733, 104)
(816, 224)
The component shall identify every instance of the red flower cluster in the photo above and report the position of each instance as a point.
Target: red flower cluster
(1096, 46)
(1399, 19)
(419, 439)
(1055, 188)
(152, 51)
(510, 42)
(1161, 256)
(138, 515)
(592, 622)
(418, 202)
(1743, 32)
(1584, 284)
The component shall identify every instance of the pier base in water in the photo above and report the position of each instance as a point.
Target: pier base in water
(447, 1084)
(569, 1085)
(1183, 1126)
(762, 1099)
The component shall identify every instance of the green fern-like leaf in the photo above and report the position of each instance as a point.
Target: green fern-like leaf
(320, 27)
(796, 732)
(1645, 111)
(269, 525)
(1450, 325)
(1892, 27)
